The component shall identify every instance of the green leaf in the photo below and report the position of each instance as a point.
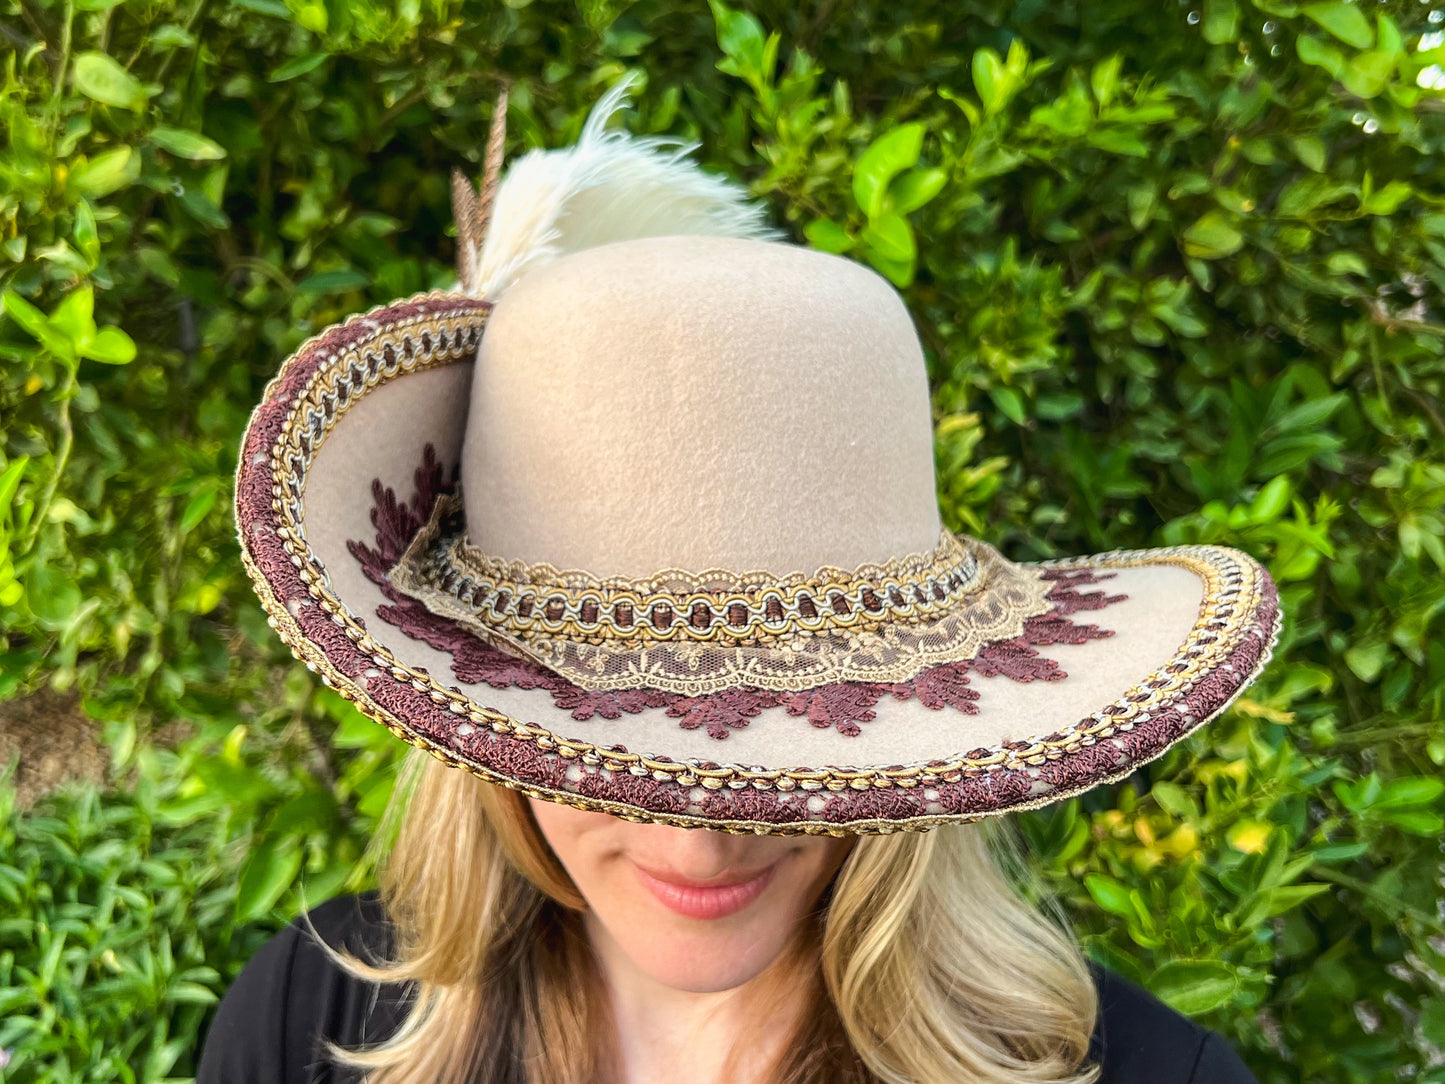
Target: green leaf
(311, 16)
(898, 272)
(32, 320)
(1310, 150)
(187, 144)
(10, 480)
(111, 346)
(1010, 403)
(1110, 895)
(1344, 20)
(1142, 200)
(106, 172)
(1119, 141)
(1270, 501)
(741, 38)
(1387, 36)
(298, 65)
(313, 810)
(74, 317)
(1173, 798)
(157, 262)
(916, 188)
(196, 509)
(1017, 61)
(1322, 55)
(965, 106)
(1340, 852)
(269, 871)
(1417, 822)
(87, 237)
(203, 210)
(333, 282)
(891, 237)
(1307, 193)
(1347, 263)
(1411, 790)
(886, 157)
(52, 596)
(1310, 414)
(1195, 987)
(1104, 79)
(189, 993)
(990, 79)
(1366, 660)
(1221, 21)
(1387, 200)
(1368, 74)
(1212, 237)
(265, 7)
(1288, 897)
(98, 76)
(827, 236)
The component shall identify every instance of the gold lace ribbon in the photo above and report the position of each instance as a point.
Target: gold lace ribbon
(696, 633)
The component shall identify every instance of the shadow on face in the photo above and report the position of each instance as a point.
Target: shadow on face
(696, 910)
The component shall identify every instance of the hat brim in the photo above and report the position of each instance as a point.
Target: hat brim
(364, 423)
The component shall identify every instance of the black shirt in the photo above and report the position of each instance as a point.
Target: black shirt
(290, 996)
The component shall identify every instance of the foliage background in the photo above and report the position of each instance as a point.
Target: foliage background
(1179, 273)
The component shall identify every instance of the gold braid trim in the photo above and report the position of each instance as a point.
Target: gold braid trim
(698, 633)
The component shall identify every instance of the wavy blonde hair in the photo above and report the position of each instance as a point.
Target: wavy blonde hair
(925, 962)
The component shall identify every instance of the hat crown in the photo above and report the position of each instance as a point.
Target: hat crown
(699, 403)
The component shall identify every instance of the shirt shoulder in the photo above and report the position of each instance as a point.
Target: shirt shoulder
(292, 997)
(1140, 1040)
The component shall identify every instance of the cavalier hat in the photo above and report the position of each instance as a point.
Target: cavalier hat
(642, 518)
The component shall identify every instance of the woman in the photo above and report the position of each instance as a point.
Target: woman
(545, 943)
(633, 378)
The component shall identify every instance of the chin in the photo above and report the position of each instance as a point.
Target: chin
(700, 954)
(693, 910)
(705, 961)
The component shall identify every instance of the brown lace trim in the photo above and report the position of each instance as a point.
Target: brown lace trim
(843, 705)
(976, 598)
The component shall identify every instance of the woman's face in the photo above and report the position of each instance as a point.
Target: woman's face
(696, 910)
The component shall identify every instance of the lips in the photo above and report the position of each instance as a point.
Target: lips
(710, 899)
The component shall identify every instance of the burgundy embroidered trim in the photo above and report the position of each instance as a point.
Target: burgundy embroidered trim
(843, 706)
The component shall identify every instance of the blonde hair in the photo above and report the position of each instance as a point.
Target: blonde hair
(928, 964)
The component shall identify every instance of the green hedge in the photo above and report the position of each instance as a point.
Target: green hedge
(1179, 275)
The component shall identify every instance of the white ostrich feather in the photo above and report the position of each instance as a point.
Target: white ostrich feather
(610, 186)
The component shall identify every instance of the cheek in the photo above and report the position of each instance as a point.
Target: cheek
(583, 841)
(592, 848)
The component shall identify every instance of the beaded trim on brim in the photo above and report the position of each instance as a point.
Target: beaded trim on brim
(1232, 637)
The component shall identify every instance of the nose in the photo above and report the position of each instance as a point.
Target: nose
(700, 854)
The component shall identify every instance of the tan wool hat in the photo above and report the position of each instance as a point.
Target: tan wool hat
(642, 518)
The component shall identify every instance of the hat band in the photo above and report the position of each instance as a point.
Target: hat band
(528, 601)
(985, 600)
